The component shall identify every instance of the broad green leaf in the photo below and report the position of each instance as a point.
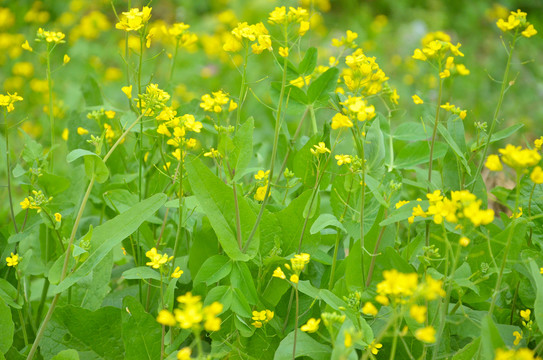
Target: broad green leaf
(93, 164)
(374, 150)
(418, 153)
(222, 294)
(91, 92)
(216, 201)
(303, 165)
(120, 200)
(243, 151)
(241, 279)
(491, 339)
(94, 334)
(468, 352)
(213, 269)
(297, 94)
(141, 272)
(70, 354)
(33, 151)
(95, 289)
(325, 83)
(410, 131)
(499, 135)
(448, 138)
(240, 305)
(305, 346)
(53, 184)
(324, 221)
(308, 63)
(538, 305)
(8, 294)
(7, 327)
(141, 332)
(110, 234)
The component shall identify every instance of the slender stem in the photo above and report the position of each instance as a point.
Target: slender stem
(51, 114)
(179, 232)
(243, 87)
(360, 145)
(172, 68)
(496, 112)
(436, 122)
(8, 171)
(530, 214)
(140, 142)
(296, 323)
(42, 299)
(274, 152)
(394, 339)
(313, 119)
(374, 256)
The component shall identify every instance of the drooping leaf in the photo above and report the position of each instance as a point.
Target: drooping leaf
(213, 269)
(308, 63)
(141, 332)
(325, 83)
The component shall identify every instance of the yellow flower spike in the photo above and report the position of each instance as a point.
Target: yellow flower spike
(525, 314)
(426, 334)
(82, 131)
(177, 273)
(375, 347)
(184, 353)
(311, 326)
(537, 175)
(66, 59)
(493, 163)
(127, 90)
(518, 337)
(369, 309)
(26, 46)
(13, 260)
(134, 19)
(166, 318)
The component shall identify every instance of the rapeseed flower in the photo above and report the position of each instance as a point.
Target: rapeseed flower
(8, 100)
(426, 334)
(311, 326)
(157, 259)
(134, 20)
(13, 260)
(340, 121)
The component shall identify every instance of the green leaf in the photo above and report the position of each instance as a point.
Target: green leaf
(491, 338)
(141, 332)
(8, 294)
(7, 328)
(93, 164)
(241, 279)
(141, 272)
(121, 200)
(33, 151)
(322, 85)
(216, 201)
(308, 63)
(303, 165)
(213, 270)
(499, 135)
(324, 221)
(91, 92)
(94, 290)
(240, 305)
(243, 151)
(305, 346)
(70, 354)
(110, 234)
(375, 150)
(419, 153)
(538, 305)
(410, 131)
(448, 138)
(97, 334)
(468, 352)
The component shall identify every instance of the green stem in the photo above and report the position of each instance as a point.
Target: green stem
(530, 214)
(8, 171)
(296, 323)
(242, 89)
(179, 232)
(496, 112)
(361, 154)
(394, 341)
(51, 114)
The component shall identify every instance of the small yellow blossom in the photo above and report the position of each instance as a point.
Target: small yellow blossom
(260, 193)
(110, 114)
(66, 59)
(339, 121)
(493, 163)
(26, 46)
(426, 334)
(311, 326)
(538, 143)
(184, 353)
(58, 217)
(343, 159)
(13, 260)
(278, 273)
(529, 31)
(375, 347)
(320, 149)
(348, 339)
(444, 74)
(369, 309)
(177, 273)
(166, 318)
(262, 175)
(283, 51)
(417, 100)
(65, 134)
(525, 314)
(82, 131)
(401, 203)
(419, 55)
(518, 337)
(157, 259)
(134, 19)
(464, 241)
(418, 313)
(127, 90)
(537, 175)
(294, 278)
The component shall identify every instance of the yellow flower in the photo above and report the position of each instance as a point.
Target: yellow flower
(394, 97)
(426, 334)
(177, 273)
(262, 175)
(260, 193)
(520, 354)
(13, 260)
(304, 27)
(294, 278)
(58, 217)
(518, 337)
(66, 59)
(369, 309)
(537, 175)
(462, 70)
(184, 353)
(320, 149)
(110, 114)
(50, 36)
(401, 203)
(8, 100)
(301, 81)
(493, 163)
(418, 313)
(127, 90)
(525, 314)
(464, 241)
(166, 318)
(26, 46)
(529, 31)
(444, 74)
(343, 159)
(157, 260)
(82, 131)
(278, 273)
(374, 348)
(519, 158)
(283, 51)
(134, 19)
(311, 325)
(419, 55)
(65, 134)
(348, 339)
(447, 106)
(397, 285)
(339, 121)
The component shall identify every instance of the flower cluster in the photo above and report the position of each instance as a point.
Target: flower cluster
(520, 354)
(152, 101)
(257, 34)
(35, 202)
(455, 110)
(176, 128)
(461, 204)
(134, 20)
(514, 156)
(50, 36)
(294, 15)
(191, 314)
(437, 46)
(8, 100)
(363, 75)
(355, 107)
(516, 21)
(347, 40)
(261, 317)
(216, 101)
(297, 265)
